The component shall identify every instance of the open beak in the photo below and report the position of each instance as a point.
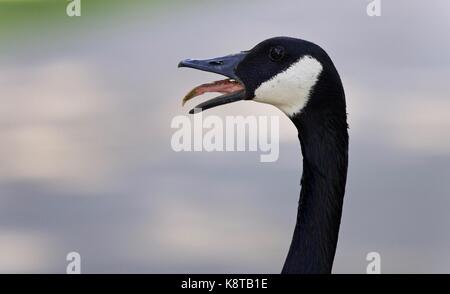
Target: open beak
(232, 89)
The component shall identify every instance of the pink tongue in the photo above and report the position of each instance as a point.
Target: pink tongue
(222, 86)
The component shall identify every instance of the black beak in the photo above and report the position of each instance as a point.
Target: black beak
(225, 66)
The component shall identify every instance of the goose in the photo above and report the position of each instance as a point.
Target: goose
(299, 78)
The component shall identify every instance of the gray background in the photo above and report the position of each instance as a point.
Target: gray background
(86, 163)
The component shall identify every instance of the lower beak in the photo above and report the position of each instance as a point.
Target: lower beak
(232, 89)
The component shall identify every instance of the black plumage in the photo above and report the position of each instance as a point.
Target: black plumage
(322, 131)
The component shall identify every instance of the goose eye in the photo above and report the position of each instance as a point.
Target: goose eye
(276, 53)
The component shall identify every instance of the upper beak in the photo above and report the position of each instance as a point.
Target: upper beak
(225, 66)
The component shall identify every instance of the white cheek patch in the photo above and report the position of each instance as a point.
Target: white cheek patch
(290, 89)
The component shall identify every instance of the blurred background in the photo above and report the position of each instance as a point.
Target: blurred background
(86, 162)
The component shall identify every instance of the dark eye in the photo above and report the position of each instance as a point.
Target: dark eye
(276, 53)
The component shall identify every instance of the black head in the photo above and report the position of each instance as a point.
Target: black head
(281, 71)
